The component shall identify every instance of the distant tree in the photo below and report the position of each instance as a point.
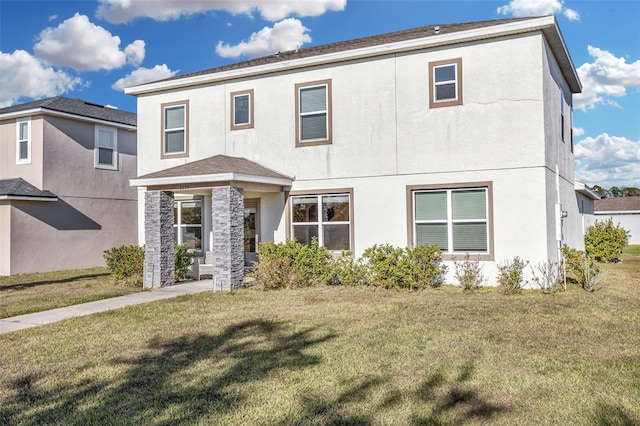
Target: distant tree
(600, 191)
(616, 192)
(630, 191)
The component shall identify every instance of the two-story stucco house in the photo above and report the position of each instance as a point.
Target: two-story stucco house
(65, 166)
(457, 135)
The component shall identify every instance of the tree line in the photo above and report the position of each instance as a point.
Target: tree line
(614, 191)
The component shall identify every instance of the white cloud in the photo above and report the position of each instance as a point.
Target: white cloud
(288, 34)
(605, 78)
(578, 131)
(144, 75)
(119, 11)
(82, 45)
(22, 75)
(519, 8)
(608, 161)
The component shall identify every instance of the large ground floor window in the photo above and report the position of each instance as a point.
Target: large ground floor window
(326, 217)
(187, 224)
(456, 219)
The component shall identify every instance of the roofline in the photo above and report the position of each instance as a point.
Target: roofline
(217, 177)
(608, 212)
(544, 23)
(26, 198)
(585, 190)
(47, 111)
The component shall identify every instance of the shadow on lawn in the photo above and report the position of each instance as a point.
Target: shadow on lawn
(29, 284)
(175, 381)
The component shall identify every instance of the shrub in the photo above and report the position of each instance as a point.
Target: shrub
(183, 260)
(346, 270)
(546, 276)
(291, 264)
(126, 263)
(604, 241)
(510, 275)
(469, 273)
(584, 269)
(427, 266)
(387, 266)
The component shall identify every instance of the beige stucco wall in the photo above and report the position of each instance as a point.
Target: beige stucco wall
(96, 208)
(5, 238)
(31, 172)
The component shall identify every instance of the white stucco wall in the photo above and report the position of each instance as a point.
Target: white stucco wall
(629, 221)
(386, 137)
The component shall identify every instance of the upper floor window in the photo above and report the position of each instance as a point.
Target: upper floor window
(456, 219)
(175, 129)
(326, 217)
(242, 110)
(313, 113)
(106, 148)
(445, 81)
(23, 141)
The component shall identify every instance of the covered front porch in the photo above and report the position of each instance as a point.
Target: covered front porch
(212, 205)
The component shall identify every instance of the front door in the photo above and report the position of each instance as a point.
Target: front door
(251, 231)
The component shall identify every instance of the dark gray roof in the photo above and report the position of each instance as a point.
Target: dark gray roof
(19, 187)
(218, 164)
(76, 107)
(380, 39)
(617, 204)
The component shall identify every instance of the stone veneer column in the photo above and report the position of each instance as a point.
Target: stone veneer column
(159, 239)
(227, 216)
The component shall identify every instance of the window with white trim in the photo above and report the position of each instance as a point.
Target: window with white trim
(445, 78)
(23, 141)
(187, 223)
(455, 220)
(106, 148)
(313, 113)
(325, 217)
(242, 110)
(175, 129)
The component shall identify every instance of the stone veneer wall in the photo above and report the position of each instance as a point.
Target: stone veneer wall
(159, 239)
(227, 204)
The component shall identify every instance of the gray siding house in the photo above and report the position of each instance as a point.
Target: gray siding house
(65, 166)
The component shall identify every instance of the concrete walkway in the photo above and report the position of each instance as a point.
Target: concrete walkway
(46, 317)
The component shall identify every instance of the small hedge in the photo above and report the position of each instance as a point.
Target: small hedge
(605, 241)
(126, 263)
(291, 264)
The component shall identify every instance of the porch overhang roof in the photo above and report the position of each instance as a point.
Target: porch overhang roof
(216, 169)
(583, 189)
(18, 189)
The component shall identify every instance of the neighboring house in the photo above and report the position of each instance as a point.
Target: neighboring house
(624, 212)
(65, 197)
(457, 135)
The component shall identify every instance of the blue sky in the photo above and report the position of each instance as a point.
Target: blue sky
(92, 49)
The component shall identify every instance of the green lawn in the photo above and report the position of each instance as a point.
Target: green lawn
(27, 293)
(331, 355)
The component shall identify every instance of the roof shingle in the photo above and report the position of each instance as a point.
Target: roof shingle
(617, 204)
(19, 187)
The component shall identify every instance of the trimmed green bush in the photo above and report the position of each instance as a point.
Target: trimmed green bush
(387, 266)
(291, 264)
(605, 241)
(126, 263)
(510, 275)
(427, 265)
(348, 271)
(183, 259)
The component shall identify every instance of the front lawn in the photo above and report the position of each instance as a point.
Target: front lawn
(331, 355)
(27, 293)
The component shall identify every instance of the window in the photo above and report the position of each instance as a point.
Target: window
(562, 115)
(23, 141)
(187, 223)
(242, 110)
(326, 217)
(313, 113)
(458, 219)
(106, 148)
(571, 126)
(445, 80)
(175, 129)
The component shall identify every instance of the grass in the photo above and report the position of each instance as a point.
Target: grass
(324, 355)
(27, 293)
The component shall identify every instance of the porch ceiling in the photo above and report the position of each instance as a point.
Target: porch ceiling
(216, 169)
